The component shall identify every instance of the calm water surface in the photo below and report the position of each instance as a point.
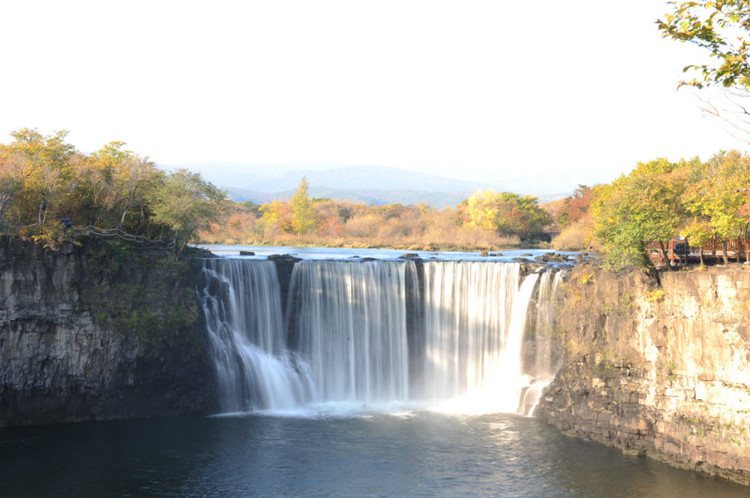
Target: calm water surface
(408, 454)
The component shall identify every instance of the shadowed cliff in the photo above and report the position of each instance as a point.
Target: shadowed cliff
(97, 331)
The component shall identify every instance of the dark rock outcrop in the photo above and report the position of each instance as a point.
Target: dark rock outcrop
(98, 331)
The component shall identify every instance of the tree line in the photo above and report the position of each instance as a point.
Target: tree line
(487, 220)
(696, 199)
(657, 201)
(47, 186)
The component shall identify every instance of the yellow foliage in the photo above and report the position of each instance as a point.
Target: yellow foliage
(655, 296)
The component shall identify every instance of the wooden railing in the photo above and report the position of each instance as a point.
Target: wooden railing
(92, 230)
(679, 251)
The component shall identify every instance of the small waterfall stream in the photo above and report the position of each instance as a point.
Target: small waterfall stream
(445, 334)
(242, 306)
(545, 361)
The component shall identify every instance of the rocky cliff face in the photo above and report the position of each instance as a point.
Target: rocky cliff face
(663, 372)
(99, 331)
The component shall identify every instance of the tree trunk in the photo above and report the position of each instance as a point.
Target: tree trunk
(649, 267)
(664, 254)
(42, 214)
(737, 249)
(4, 204)
(174, 242)
(141, 222)
(724, 252)
(122, 218)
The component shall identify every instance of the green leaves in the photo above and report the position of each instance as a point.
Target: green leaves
(659, 200)
(639, 208)
(715, 198)
(43, 177)
(719, 27)
(186, 203)
(507, 213)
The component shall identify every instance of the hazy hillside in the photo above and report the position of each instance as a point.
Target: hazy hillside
(278, 178)
(368, 184)
(377, 197)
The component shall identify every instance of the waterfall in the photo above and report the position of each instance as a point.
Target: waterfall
(350, 322)
(546, 360)
(473, 320)
(445, 334)
(242, 307)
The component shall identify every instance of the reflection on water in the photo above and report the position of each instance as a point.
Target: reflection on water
(367, 454)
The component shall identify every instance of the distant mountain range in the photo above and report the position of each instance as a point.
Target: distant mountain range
(365, 196)
(377, 185)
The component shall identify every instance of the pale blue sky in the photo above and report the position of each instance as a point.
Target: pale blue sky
(482, 90)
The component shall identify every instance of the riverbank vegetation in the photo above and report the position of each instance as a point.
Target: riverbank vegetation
(488, 220)
(657, 201)
(48, 190)
(698, 200)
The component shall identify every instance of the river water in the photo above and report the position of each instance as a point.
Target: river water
(408, 453)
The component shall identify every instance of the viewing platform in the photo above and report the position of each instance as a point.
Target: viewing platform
(678, 251)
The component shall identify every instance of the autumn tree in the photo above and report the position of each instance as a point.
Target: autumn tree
(507, 214)
(576, 206)
(698, 231)
(46, 165)
(13, 172)
(330, 217)
(639, 208)
(276, 216)
(135, 180)
(715, 198)
(721, 29)
(97, 192)
(303, 219)
(185, 203)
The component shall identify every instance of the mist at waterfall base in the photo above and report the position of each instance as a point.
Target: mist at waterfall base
(389, 377)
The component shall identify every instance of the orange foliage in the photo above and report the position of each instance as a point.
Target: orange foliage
(346, 224)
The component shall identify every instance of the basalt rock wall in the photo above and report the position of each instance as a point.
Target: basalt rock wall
(97, 331)
(658, 371)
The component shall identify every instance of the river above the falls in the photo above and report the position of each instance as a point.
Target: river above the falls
(262, 252)
(407, 453)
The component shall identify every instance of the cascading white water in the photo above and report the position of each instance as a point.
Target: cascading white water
(242, 307)
(474, 319)
(362, 332)
(350, 321)
(546, 363)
